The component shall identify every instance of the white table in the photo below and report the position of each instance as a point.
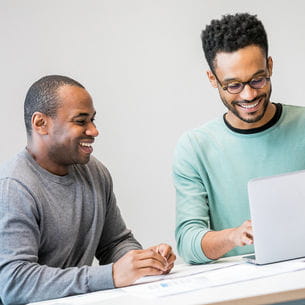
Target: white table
(227, 282)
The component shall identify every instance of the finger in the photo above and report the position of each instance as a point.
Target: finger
(148, 271)
(140, 272)
(171, 258)
(250, 236)
(165, 250)
(247, 240)
(152, 253)
(247, 222)
(155, 261)
(170, 267)
(249, 232)
(147, 258)
(150, 264)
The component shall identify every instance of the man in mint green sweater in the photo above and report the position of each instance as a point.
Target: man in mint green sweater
(254, 138)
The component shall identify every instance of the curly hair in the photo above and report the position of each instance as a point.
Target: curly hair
(42, 97)
(231, 33)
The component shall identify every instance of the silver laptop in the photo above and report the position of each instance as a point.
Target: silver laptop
(277, 208)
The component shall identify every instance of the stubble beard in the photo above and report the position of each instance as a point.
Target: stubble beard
(253, 116)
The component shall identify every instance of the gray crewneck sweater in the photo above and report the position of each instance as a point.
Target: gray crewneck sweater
(51, 227)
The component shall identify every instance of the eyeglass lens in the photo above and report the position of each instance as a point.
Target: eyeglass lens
(256, 83)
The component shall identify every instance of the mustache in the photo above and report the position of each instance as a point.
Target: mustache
(250, 101)
(91, 139)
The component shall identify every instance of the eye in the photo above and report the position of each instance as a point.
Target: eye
(234, 86)
(257, 81)
(80, 122)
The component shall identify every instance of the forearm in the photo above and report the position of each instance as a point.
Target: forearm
(215, 244)
(23, 282)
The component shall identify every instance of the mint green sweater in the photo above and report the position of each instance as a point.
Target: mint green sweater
(212, 165)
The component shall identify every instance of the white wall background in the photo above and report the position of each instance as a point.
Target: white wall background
(142, 62)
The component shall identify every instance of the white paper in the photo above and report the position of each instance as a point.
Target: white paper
(184, 270)
(191, 278)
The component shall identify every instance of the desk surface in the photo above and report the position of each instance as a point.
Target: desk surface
(227, 282)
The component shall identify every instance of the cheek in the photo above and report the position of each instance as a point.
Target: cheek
(226, 99)
(63, 138)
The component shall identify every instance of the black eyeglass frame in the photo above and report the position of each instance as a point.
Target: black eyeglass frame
(225, 88)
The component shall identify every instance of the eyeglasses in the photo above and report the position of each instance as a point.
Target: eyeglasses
(237, 87)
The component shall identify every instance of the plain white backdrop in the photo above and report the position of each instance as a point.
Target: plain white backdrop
(142, 62)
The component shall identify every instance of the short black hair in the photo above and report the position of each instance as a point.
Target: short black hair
(42, 97)
(231, 33)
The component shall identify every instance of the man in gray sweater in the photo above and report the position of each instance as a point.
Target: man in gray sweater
(58, 210)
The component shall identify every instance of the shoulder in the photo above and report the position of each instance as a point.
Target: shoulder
(18, 167)
(293, 114)
(293, 107)
(294, 110)
(203, 134)
(17, 181)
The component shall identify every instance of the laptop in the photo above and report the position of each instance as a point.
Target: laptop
(277, 208)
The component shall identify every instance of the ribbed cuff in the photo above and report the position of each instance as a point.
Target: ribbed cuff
(100, 278)
(199, 254)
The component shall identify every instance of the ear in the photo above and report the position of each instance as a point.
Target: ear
(212, 78)
(40, 123)
(270, 65)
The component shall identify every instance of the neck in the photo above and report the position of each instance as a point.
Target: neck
(46, 163)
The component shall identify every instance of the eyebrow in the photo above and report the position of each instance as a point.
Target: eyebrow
(227, 80)
(83, 114)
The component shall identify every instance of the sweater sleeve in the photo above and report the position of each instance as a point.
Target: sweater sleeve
(116, 239)
(22, 278)
(192, 210)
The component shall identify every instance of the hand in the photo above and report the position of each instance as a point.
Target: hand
(139, 263)
(242, 235)
(167, 252)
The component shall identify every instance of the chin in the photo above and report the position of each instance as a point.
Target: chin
(85, 161)
(82, 160)
(252, 119)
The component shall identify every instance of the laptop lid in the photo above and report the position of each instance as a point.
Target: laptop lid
(277, 208)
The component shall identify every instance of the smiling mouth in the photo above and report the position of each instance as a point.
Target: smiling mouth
(247, 106)
(250, 106)
(85, 144)
(86, 147)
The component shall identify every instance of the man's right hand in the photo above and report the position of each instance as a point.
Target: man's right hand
(215, 244)
(242, 235)
(136, 264)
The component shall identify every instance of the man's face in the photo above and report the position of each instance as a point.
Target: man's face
(71, 133)
(251, 107)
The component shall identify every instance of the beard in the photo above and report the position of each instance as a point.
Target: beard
(65, 155)
(252, 117)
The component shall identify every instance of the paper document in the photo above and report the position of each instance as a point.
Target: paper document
(182, 280)
(203, 276)
(168, 287)
(184, 270)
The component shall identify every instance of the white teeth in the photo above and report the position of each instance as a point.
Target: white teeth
(85, 144)
(248, 106)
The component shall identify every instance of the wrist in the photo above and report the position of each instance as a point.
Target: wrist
(113, 275)
(231, 240)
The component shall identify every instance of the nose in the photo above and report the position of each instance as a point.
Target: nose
(248, 93)
(92, 130)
